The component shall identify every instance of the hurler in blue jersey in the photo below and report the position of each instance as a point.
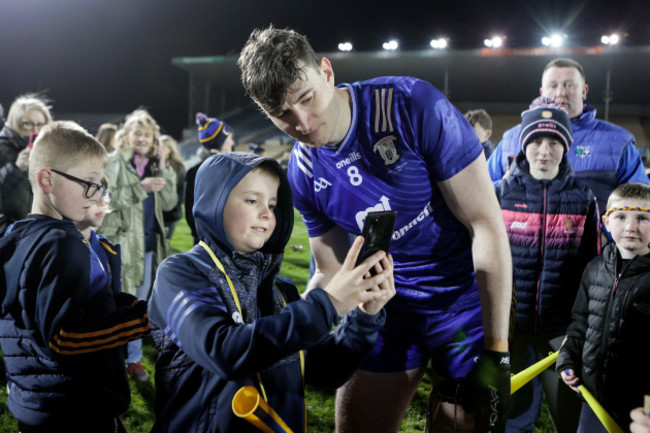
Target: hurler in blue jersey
(397, 143)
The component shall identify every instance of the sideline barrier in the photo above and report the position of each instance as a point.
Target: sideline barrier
(520, 379)
(601, 413)
(248, 404)
(523, 377)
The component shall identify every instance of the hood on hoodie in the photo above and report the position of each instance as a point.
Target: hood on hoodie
(216, 178)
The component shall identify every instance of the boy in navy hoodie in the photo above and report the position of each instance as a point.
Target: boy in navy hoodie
(223, 319)
(61, 338)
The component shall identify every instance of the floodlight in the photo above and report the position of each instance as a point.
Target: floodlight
(494, 42)
(555, 40)
(438, 44)
(391, 45)
(612, 39)
(345, 46)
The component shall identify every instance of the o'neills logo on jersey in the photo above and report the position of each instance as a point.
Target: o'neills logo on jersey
(354, 156)
(385, 147)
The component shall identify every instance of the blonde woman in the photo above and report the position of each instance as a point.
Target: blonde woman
(27, 115)
(142, 187)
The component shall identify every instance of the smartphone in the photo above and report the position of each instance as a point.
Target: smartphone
(377, 232)
(32, 138)
(510, 159)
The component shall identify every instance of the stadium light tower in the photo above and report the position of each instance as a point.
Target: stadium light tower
(438, 44)
(391, 45)
(345, 46)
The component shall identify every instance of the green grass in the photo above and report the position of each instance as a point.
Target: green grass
(320, 404)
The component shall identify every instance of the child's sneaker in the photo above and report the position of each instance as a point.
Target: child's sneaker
(137, 372)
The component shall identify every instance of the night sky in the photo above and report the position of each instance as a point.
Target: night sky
(115, 55)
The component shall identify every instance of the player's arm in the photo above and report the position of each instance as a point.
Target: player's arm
(329, 250)
(470, 196)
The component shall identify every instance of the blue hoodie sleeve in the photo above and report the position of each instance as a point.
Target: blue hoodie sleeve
(191, 312)
(331, 363)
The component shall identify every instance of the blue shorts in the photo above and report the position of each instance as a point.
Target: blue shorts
(452, 341)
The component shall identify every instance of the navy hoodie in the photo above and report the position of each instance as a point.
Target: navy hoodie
(61, 340)
(208, 351)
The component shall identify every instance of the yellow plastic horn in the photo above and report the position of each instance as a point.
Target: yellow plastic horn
(608, 422)
(523, 377)
(248, 404)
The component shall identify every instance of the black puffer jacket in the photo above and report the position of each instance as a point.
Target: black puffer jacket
(15, 190)
(608, 339)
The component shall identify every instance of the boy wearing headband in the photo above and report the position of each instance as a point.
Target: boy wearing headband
(606, 348)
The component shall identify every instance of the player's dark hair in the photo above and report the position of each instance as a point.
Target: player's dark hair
(271, 62)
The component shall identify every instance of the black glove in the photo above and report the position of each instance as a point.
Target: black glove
(123, 299)
(490, 383)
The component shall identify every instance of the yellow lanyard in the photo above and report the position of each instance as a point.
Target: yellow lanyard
(236, 298)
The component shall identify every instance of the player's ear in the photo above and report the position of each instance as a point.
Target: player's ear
(326, 68)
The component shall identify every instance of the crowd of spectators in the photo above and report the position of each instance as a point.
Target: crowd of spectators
(552, 175)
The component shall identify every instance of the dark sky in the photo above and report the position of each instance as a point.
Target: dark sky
(115, 55)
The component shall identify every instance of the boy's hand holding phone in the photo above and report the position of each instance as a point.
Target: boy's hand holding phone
(349, 287)
(386, 288)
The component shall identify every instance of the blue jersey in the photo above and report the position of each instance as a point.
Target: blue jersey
(405, 136)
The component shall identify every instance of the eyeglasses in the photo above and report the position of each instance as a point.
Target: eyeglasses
(31, 125)
(91, 188)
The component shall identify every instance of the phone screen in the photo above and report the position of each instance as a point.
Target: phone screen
(377, 232)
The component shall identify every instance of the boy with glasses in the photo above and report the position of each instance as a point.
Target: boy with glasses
(62, 335)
